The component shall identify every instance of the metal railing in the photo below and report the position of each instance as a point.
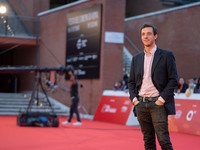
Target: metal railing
(127, 58)
(131, 43)
(174, 3)
(19, 26)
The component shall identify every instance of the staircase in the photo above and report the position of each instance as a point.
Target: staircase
(16, 22)
(13, 103)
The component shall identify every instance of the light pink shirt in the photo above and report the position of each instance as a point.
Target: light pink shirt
(147, 88)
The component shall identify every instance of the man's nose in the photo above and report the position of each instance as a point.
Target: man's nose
(145, 36)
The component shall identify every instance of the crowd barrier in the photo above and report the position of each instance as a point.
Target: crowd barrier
(187, 118)
(116, 107)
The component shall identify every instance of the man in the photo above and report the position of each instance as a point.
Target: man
(75, 99)
(153, 78)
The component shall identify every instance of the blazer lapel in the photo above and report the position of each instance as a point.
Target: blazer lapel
(156, 59)
(142, 64)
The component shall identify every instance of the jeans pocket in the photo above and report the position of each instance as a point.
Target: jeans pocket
(157, 104)
(138, 103)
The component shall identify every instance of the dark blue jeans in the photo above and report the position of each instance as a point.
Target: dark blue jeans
(74, 108)
(153, 119)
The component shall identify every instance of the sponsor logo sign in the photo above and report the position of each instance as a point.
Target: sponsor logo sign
(115, 109)
(187, 117)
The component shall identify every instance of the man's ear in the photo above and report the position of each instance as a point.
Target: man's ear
(156, 36)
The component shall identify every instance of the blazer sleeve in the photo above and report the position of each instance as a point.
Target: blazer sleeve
(168, 91)
(132, 82)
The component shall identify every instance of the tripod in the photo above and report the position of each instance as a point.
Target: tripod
(35, 94)
(38, 118)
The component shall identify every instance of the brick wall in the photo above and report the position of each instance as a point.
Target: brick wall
(178, 31)
(53, 38)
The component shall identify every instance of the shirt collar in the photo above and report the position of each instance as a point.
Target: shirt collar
(152, 52)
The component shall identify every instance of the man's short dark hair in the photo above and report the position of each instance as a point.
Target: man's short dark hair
(155, 31)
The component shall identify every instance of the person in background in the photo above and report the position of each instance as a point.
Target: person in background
(118, 86)
(125, 78)
(124, 86)
(190, 89)
(197, 88)
(74, 98)
(182, 86)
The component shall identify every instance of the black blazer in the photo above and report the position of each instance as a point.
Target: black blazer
(163, 73)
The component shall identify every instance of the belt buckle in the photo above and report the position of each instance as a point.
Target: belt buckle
(150, 99)
(143, 99)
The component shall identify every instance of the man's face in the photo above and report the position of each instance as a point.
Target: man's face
(147, 36)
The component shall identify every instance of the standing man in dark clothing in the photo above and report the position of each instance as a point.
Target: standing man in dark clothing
(153, 78)
(75, 100)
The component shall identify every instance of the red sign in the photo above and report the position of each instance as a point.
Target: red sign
(187, 118)
(114, 109)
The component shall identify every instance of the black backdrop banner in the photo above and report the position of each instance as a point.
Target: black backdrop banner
(83, 42)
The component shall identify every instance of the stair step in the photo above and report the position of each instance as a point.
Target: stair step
(25, 107)
(13, 103)
(17, 113)
(19, 103)
(14, 99)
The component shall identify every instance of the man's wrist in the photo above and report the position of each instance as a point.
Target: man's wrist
(134, 99)
(161, 99)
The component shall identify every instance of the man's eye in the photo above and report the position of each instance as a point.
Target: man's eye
(149, 33)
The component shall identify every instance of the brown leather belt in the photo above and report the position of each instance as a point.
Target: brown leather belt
(147, 99)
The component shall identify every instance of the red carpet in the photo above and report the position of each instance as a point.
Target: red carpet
(92, 135)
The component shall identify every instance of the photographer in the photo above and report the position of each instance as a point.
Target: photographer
(74, 98)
